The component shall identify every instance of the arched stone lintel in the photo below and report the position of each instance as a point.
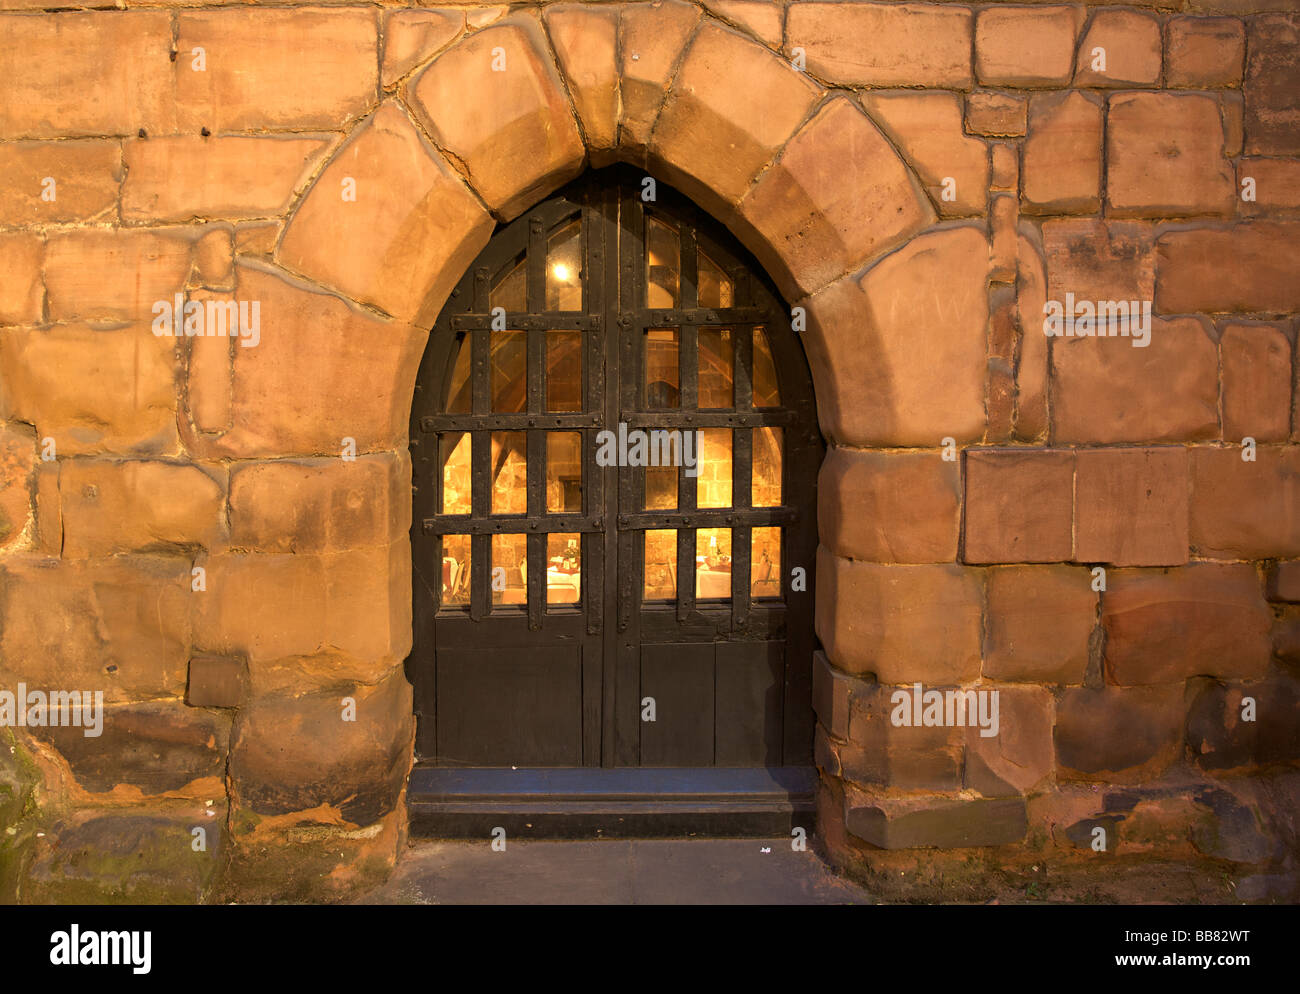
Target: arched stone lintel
(800, 174)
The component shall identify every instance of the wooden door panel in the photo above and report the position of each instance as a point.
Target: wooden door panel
(680, 679)
(510, 707)
(749, 688)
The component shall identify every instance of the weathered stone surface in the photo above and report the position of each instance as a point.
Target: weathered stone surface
(903, 756)
(49, 522)
(271, 605)
(762, 19)
(1165, 158)
(17, 476)
(292, 754)
(1130, 48)
(19, 813)
(1109, 390)
(902, 623)
(1199, 620)
(1039, 622)
(1238, 829)
(1005, 170)
(1021, 755)
(22, 295)
(905, 822)
(927, 127)
(269, 861)
(207, 383)
(1256, 363)
(1284, 582)
(371, 248)
(1118, 734)
(1204, 52)
(176, 179)
(86, 177)
(1061, 162)
(1272, 78)
(137, 855)
(899, 507)
(1003, 247)
(1099, 260)
(1232, 109)
(512, 131)
(1019, 505)
(114, 507)
(890, 329)
(256, 238)
(838, 196)
(1276, 185)
(1245, 510)
(412, 36)
(1131, 506)
(91, 391)
(113, 275)
(51, 66)
(883, 44)
(1286, 636)
(320, 505)
(713, 136)
(214, 261)
(1219, 736)
(586, 44)
(216, 682)
(156, 746)
(292, 397)
(826, 756)
(1026, 46)
(120, 625)
(1031, 371)
(651, 39)
(310, 68)
(1265, 273)
(833, 693)
(1002, 114)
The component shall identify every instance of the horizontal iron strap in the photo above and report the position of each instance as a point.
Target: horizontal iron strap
(510, 422)
(708, 518)
(513, 524)
(516, 321)
(706, 419)
(654, 317)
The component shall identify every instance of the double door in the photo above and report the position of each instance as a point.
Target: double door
(615, 450)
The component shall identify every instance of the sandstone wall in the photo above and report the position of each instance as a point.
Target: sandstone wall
(920, 178)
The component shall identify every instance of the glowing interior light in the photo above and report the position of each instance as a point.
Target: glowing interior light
(561, 272)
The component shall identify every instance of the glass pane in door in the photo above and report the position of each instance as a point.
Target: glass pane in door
(564, 268)
(663, 262)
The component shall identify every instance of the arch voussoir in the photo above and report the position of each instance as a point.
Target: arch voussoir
(496, 102)
(363, 229)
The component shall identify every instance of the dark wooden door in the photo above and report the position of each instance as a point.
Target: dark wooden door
(574, 613)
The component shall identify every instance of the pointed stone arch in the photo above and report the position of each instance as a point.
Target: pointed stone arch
(799, 171)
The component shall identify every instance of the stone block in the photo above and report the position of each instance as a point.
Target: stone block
(1131, 506)
(1019, 505)
(1205, 619)
(902, 507)
(1039, 624)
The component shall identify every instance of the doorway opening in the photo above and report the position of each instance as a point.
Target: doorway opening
(615, 450)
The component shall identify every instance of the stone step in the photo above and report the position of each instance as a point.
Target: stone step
(573, 803)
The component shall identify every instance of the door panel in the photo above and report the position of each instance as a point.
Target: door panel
(680, 679)
(513, 708)
(749, 688)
